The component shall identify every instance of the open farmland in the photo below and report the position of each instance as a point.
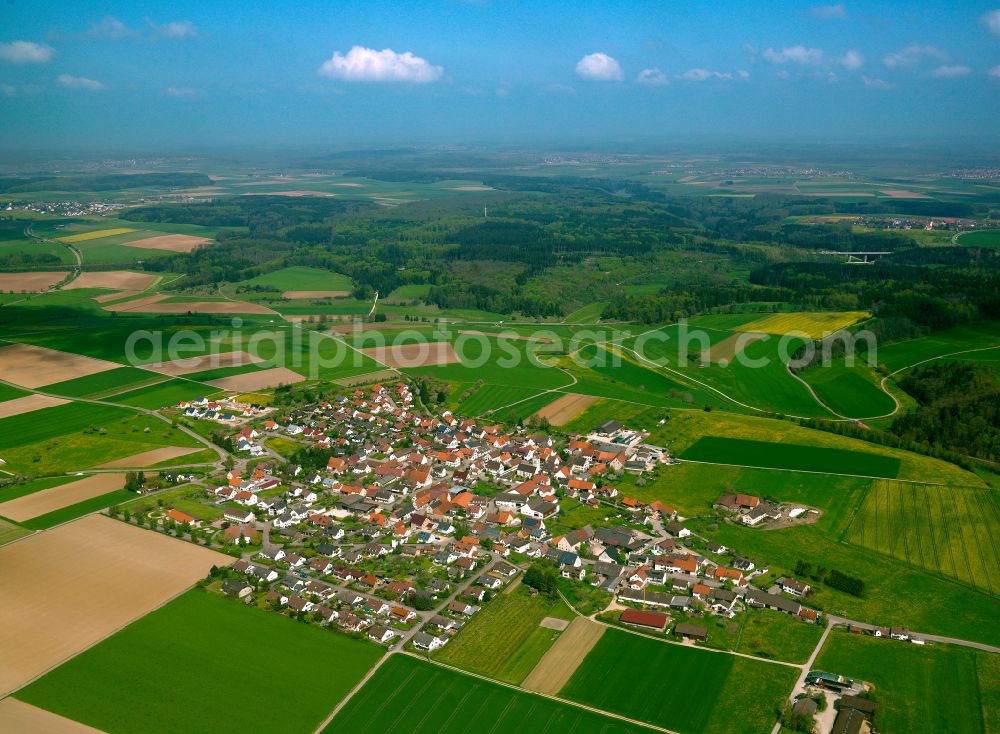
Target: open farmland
(213, 361)
(763, 454)
(53, 609)
(32, 282)
(851, 391)
(982, 238)
(505, 640)
(27, 719)
(54, 498)
(163, 394)
(559, 663)
(27, 404)
(79, 435)
(101, 383)
(30, 366)
(954, 531)
(920, 690)
(491, 397)
(119, 280)
(301, 278)
(813, 325)
(410, 696)
(170, 243)
(258, 379)
(564, 409)
(96, 234)
(185, 649)
(965, 341)
(149, 458)
(680, 686)
(421, 354)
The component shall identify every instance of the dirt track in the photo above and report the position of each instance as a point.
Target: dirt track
(558, 665)
(258, 380)
(171, 242)
(148, 458)
(55, 498)
(31, 366)
(29, 282)
(27, 404)
(565, 408)
(23, 718)
(67, 588)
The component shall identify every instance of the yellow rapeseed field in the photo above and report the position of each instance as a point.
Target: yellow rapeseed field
(814, 325)
(83, 236)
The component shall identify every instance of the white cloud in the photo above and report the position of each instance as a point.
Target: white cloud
(25, 52)
(875, 82)
(829, 12)
(652, 77)
(852, 59)
(599, 67)
(175, 29)
(992, 21)
(80, 82)
(798, 54)
(913, 55)
(995, 71)
(950, 71)
(110, 28)
(362, 64)
(743, 74)
(181, 91)
(702, 75)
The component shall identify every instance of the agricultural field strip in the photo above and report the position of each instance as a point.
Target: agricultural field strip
(201, 439)
(529, 692)
(808, 471)
(562, 388)
(974, 541)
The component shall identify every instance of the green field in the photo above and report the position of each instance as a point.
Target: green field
(851, 391)
(957, 341)
(526, 408)
(81, 435)
(954, 531)
(680, 688)
(13, 491)
(102, 383)
(504, 641)
(778, 636)
(9, 392)
(789, 456)
(11, 531)
(491, 397)
(410, 696)
(71, 512)
(181, 666)
(920, 690)
(300, 278)
(164, 394)
(982, 238)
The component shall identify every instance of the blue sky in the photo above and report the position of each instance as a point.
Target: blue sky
(193, 74)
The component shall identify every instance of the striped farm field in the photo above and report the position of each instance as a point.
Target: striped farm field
(814, 325)
(953, 531)
(97, 234)
(491, 397)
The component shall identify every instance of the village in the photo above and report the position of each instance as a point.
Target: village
(413, 523)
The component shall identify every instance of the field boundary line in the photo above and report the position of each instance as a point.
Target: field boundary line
(812, 471)
(112, 633)
(529, 692)
(350, 694)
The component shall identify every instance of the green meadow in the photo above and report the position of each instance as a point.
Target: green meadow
(192, 646)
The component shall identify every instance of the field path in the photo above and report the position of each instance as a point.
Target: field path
(561, 660)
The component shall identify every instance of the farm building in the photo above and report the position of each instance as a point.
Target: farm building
(649, 620)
